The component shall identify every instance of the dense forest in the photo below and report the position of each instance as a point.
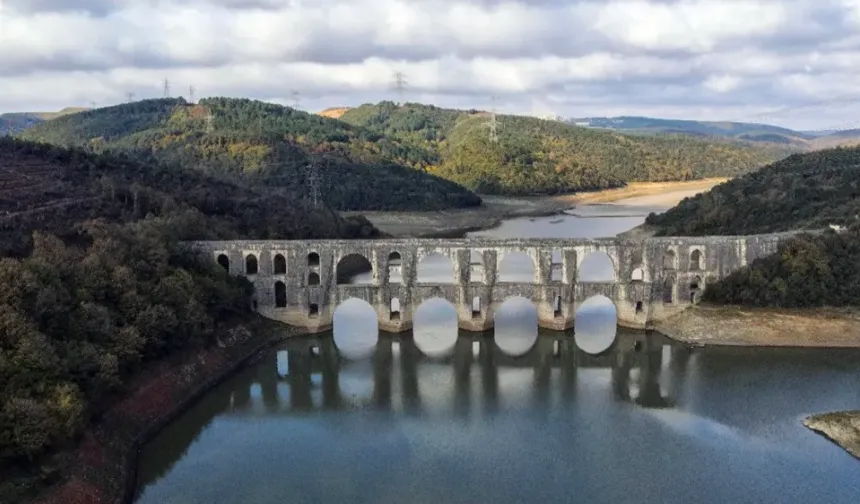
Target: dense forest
(265, 145)
(96, 282)
(534, 156)
(807, 270)
(803, 191)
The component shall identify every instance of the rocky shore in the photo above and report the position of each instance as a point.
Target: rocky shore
(842, 427)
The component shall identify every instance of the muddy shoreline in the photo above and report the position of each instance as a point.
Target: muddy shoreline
(495, 209)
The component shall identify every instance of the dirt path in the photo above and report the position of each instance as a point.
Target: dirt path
(496, 208)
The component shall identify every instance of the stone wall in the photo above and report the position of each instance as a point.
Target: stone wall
(296, 281)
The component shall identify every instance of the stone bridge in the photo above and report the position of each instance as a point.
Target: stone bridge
(297, 282)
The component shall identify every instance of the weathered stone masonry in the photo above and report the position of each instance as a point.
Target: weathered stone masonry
(296, 281)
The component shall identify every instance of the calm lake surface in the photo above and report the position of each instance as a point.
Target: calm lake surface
(518, 415)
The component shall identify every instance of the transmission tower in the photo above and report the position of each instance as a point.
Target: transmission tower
(166, 88)
(400, 85)
(129, 97)
(209, 127)
(296, 99)
(493, 123)
(312, 175)
(191, 94)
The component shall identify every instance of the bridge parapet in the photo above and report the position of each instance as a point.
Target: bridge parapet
(301, 282)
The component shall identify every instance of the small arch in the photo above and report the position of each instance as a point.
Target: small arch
(280, 295)
(395, 268)
(224, 261)
(669, 259)
(668, 290)
(476, 307)
(350, 267)
(556, 307)
(435, 268)
(638, 275)
(279, 265)
(313, 260)
(477, 273)
(394, 310)
(556, 267)
(596, 267)
(313, 310)
(251, 265)
(639, 309)
(695, 285)
(394, 258)
(313, 278)
(516, 267)
(696, 260)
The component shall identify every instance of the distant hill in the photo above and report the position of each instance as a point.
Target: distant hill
(16, 122)
(803, 191)
(266, 145)
(535, 156)
(51, 189)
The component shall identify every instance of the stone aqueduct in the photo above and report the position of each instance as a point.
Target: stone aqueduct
(296, 281)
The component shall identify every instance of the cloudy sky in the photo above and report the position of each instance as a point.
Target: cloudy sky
(789, 62)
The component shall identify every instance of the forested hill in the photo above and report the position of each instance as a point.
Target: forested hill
(266, 145)
(803, 191)
(53, 189)
(536, 156)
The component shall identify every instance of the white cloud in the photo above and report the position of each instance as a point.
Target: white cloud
(713, 59)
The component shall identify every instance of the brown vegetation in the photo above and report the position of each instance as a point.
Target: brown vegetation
(334, 112)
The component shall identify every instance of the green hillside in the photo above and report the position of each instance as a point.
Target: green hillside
(534, 156)
(16, 122)
(803, 191)
(266, 145)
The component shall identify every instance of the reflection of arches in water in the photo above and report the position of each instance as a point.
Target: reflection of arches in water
(435, 268)
(516, 267)
(669, 259)
(251, 266)
(477, 272)
(279, 265)
(638, 275)
(435, 326)
(349, 266)
(313, 278)
(224, 261)
(355, 328)
(696, 260)
(280, 295)
(516, 325)
(596, 267)
(595, 324)
(669, 290)
(313, 259)
(395, 268)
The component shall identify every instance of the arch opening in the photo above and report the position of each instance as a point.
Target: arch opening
(556, 307)
(638, 275)
(556, 267)
(313, 310)
(394, 310)
(436, 268)
(516, 326)
(435, 327)
(476, 307)
(695, 288)
(395, 268)
(313, 260)
(476, 267)
(669, 260)
(224, 261)
(696, 260)
(280, 295)
(669, 290)
(251, 266)
(516, 267)
(313, 278)
(597, 267)
(279, 265)
(354, 269)
(355, 329)
(639, 308)
(595, 325)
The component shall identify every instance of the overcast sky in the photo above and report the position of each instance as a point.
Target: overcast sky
(715, 60)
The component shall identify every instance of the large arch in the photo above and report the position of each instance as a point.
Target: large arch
(515, 325)
(280, 294)
(435, 326)
(224, 261)
(355, 328)
(313, 278)
(435, 268)
(516, 266)
(251, 264)
(313, 260)
(668, 290)
(279, 264)
(595, 324)
(596, 267)
(696, 260)
(353, 269)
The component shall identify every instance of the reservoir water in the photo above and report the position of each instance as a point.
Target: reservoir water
(518, 415)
